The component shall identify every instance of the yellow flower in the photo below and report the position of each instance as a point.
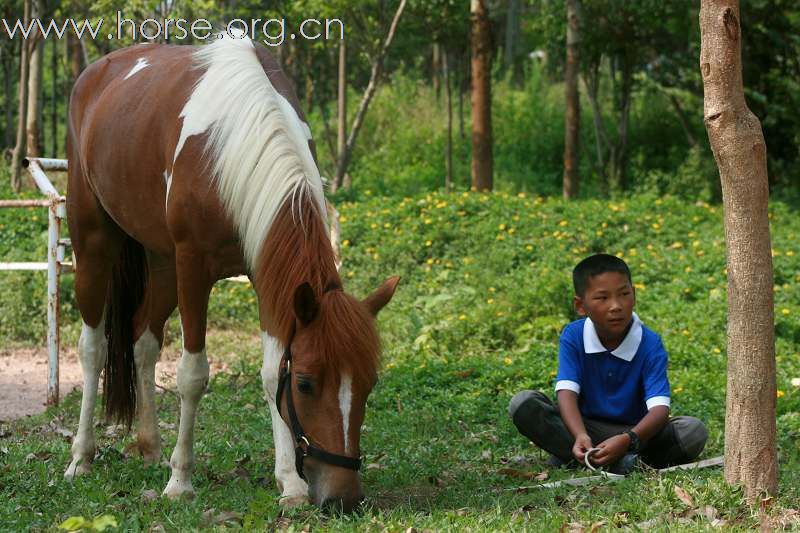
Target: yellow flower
(462, 317)
(491, 289)
(342, 218)
(490, 301)
(529, 248)
(428, 243)
(656, 226)
(350, 274)
(717, 350)
(785, 311)
(563, 223)
(780, 394)
(429, 261)
(373, 225)
(687, 269)
(346, 243)
(428, 221)
(639, 286)
(501, 227)
(677, 390)
(507, 361)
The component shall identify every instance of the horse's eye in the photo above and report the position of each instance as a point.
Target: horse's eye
(304, 386)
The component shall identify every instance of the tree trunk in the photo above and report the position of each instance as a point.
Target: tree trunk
(34, 123)
(19, 148)
(54, 99)
(372, 86)
(8, 88)
(448, 177)
(741, 155)
(436, 67)
(341, 119)
(572, 117)
(687, 130)
(512, 33)
(481, 46)
(309, 79)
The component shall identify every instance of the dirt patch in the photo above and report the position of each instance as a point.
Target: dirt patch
(23, 378)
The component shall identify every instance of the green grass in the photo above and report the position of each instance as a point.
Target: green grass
(485, 292)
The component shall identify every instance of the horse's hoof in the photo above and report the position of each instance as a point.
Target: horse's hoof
(290, 502)
(176, 490)
(77, 468)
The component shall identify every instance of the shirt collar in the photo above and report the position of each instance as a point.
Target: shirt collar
(625, 351)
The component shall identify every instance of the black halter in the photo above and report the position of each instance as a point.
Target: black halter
(303, 445)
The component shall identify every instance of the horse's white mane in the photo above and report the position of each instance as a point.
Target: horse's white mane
(257, 142)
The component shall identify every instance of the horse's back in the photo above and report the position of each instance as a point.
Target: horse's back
(124, 123)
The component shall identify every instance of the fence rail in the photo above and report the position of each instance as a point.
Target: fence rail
(56, 250)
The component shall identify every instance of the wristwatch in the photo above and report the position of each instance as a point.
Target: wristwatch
(635, 444)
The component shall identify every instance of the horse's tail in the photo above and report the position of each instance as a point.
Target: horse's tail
(125, 295)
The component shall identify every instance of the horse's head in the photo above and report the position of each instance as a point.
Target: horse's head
(327, 373)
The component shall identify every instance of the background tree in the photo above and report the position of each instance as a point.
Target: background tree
(481, 46)
(740, 152)
(572, 115)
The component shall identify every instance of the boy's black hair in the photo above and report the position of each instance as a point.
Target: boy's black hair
(594, 265)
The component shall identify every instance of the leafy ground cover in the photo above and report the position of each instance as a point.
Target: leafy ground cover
(485, 292)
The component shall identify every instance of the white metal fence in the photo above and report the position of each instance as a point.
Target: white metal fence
(56, 251)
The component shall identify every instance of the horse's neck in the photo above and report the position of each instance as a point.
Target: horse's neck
(297, 250)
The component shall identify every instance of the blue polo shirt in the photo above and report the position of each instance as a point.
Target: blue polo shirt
(619, 385)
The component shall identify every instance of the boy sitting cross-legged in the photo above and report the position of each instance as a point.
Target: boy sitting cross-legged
(612, 387)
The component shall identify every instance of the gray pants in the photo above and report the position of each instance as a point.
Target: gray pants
(538, 418)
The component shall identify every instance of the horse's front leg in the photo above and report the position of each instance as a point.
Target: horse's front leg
(294, 490)
(193, 291)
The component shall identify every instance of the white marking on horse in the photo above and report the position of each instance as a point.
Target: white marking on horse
(141, 63)
(168, 181)
(259, 147)
(345, 401)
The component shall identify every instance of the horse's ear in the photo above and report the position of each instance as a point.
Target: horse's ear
(378, 299)
(306, 306)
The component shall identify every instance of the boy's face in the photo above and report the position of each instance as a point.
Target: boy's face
(609, 301)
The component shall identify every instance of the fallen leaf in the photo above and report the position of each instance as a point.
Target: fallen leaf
(541, 476)
(596, 526)
(149, 495)
(683, 496)
(214, 518)
(465, 373)
(374, 466)
(486, 454)
(573, 527)
(38, 456)
(166, 425)
(523, 474)
(156, 528)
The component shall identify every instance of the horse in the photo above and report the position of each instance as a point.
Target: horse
(188, 165)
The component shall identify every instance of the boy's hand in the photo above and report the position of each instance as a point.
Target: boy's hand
(611, 449)
(583, 443)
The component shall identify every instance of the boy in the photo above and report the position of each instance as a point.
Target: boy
(612, 387)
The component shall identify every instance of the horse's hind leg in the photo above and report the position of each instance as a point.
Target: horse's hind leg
(159, 301)
(96, 242)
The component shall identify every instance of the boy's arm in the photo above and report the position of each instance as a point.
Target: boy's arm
(615, 447)
(571, 415)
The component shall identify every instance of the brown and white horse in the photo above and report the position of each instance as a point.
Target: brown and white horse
(188, 165)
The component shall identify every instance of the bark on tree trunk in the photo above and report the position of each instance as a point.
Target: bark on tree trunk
(309, 79)
(8, 69)
(372, 86)
(54, 99)
(436, 67)
(341, 119)
(448, 177)
(481, 97)
(741, 154)
(34, 89)
(572, 116)
(19, 148)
